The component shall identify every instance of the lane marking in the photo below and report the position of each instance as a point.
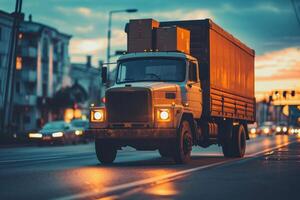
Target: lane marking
(56, 155)
(150, 181)
(40, 158)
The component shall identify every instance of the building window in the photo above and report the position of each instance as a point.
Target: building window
(45, 91)
(18, 87)
(19, 63)
(20, 36)
(26, 119)
(45, 50)
(62, 51)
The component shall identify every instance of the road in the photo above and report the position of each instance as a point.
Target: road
(271, 166)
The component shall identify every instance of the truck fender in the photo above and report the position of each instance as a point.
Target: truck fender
(190, 118)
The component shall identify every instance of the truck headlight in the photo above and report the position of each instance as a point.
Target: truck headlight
(164, 115)
(57, 134)
(97, 115)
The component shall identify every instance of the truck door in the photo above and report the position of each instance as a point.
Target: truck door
(194, 92)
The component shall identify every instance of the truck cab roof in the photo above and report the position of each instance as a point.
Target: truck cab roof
(156, 54)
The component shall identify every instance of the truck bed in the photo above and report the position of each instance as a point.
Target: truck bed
(226, 70)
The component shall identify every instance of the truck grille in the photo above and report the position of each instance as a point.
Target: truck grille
(128, 105)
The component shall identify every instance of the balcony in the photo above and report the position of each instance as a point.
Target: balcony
(25, 100)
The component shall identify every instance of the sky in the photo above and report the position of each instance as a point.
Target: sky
(270, 27)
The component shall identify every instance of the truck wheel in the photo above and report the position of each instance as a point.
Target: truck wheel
(106, 152)
(183, 144)
(236, 146)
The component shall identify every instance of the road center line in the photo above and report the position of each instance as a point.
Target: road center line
(154, 180)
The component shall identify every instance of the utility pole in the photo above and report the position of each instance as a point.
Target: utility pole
(9, 86)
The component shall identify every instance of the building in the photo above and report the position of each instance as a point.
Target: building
(6, 22)
(42, 67)
(89, 78)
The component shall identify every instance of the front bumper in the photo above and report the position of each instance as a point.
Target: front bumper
(166, 133)
(46, 139)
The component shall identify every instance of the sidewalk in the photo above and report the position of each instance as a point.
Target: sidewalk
(11, 142)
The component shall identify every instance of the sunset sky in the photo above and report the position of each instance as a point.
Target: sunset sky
(268, 26)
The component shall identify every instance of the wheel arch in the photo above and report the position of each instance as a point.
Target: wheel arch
(188, 116)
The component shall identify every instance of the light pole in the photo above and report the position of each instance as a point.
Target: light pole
(108, 56)
(8, 103)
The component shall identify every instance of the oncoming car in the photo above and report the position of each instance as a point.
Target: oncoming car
(81, 126)
(282, 128)
(267, 128)
(55, 132)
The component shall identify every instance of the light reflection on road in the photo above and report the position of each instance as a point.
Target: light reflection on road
(100, 178)
(163, 190)
(97, 178)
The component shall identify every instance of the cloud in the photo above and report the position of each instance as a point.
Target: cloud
(260, 7)
(80, 47)
(184, 14)
(178, 14)
(277, 60)
(84, 29)
(82, 11)
(284, 74)
(278, 70)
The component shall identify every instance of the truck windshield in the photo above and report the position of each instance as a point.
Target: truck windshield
(152, 69)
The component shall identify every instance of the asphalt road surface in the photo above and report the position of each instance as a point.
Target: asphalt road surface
(270, 170)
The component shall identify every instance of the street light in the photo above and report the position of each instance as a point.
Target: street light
(109, 31)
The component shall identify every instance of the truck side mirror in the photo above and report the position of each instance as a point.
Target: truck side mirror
(104, 74)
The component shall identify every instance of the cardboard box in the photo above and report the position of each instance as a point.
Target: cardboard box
(140, 28)
(173, 39)
(140, 35)
(140, 45)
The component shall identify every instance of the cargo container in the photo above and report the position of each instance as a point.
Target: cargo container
(226, 69)
(169, 98)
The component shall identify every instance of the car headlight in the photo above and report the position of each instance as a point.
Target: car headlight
(266, 130)
(253, 130)
(78, 132)
(98, 115)
(164, 115)
(293, 131)
(278, 129)
(284, 129)
(57, 134)
(35, 135)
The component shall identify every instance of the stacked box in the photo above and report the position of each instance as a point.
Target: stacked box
(140, 35)
(173, 39)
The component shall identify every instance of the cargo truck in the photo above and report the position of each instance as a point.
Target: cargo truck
(181, 84)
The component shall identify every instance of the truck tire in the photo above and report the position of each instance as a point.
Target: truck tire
(236, 146)
(183, 144)
(106, 152)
